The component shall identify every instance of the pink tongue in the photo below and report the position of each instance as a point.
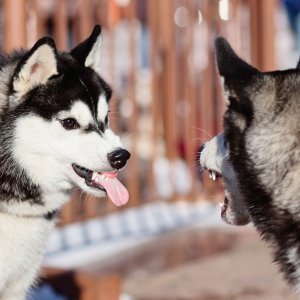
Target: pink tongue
(116, 191)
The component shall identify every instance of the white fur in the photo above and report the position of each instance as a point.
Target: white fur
(93, 59)
(293, 258)
(23, 248)
(102, 108)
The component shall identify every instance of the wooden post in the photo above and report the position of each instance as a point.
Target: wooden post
(61, 25)
(189, 99)
(169, 75)
(262, 18)
(155, 103)
(133, 181)
(14, 24)
(85, 14)
(97, 287)
(84, 285)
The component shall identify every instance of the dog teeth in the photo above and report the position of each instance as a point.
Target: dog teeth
(94, 175)
(212, 175)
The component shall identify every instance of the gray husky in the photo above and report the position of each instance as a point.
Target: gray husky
(259, 154)
(54, 136)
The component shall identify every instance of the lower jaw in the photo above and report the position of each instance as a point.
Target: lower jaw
(90, 184)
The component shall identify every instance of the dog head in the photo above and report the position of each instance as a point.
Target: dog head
(58, 111)
(261, 127)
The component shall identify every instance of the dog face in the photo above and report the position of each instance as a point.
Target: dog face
(261, 126)
(59, 108)
(215, 158)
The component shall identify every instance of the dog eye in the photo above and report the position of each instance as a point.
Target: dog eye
(69, 123)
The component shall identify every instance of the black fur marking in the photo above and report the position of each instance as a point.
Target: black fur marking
(14, 182)
(229, 64)
(81, 52)
(51, 215)
(97, 127)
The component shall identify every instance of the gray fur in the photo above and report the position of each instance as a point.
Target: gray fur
(262, 129)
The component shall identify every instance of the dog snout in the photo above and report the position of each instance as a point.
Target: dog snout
(118, 158)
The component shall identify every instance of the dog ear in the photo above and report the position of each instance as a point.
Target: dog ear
(35, 68)
(87, 53)
(230, 66)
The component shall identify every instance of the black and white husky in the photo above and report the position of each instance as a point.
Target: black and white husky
(54, 136)
(259, 154)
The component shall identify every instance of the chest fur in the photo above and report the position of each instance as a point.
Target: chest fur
(22, 245)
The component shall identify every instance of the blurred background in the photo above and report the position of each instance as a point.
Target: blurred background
(158, 55)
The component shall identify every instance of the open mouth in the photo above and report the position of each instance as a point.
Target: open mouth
(214, 174)
(104, 181)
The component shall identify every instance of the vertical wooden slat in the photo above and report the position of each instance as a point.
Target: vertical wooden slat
(97, 287)
(61, 25)
(207, 116)
(262, 18)
(169, 86)
(193, 102)
(170, 72)
(113, 104)
(133, 182)
(40, 29)
(14, 24)
(189, 100)
(85, 15)
(155, 103)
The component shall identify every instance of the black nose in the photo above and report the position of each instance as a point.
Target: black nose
(201, 148)
(118, 158)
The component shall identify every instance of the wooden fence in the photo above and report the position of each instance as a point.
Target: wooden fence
(158, 57)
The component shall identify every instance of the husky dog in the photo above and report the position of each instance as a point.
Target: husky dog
(262, 134)
(54, 136)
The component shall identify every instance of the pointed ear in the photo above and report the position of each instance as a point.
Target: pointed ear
(298, 64)
(35, 68)
(230, 65)
(87, 53)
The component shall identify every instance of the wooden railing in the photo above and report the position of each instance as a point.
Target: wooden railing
(158, 57)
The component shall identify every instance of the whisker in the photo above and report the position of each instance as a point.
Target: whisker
(202, 130)
(86, 199)
(199, 140)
